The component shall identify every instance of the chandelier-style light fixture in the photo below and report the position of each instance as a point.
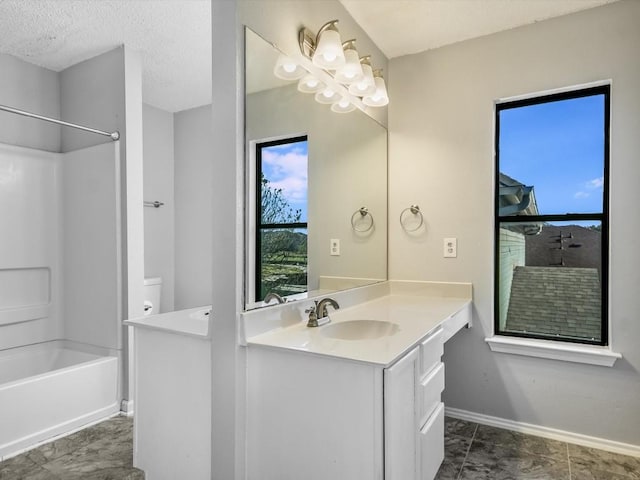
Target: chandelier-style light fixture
(347, 78)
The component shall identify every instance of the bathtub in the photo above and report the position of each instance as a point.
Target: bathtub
(52, 388)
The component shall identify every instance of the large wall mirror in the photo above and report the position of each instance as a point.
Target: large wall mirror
(316, 190)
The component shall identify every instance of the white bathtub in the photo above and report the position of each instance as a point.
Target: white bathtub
(49, 389)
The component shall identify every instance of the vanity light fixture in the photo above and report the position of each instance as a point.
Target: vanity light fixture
(351, 71)
(379, 98)
(288, 69)
(310, 84)
(336, 74)
(366, 85)
(328, 96)
(343, 106)
(326, 50)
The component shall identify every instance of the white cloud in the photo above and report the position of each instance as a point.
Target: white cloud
(581, 195)
(595, 183)
(288, 171)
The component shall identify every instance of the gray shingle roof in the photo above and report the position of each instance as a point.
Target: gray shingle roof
(554, 301)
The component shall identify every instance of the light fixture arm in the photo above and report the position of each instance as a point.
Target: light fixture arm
(308, 41)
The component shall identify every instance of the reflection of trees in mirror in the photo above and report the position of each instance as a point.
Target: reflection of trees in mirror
(274, 207)
(283, 250)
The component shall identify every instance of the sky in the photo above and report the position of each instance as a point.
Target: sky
(558, 148)
(285, 166)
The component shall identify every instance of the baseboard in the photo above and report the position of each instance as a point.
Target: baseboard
(24, 444)
(546, 432)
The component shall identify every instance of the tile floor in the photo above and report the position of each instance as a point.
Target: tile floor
(472, 452)
(101, 452)
(479, 452)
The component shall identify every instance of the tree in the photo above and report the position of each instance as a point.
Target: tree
(274, 207)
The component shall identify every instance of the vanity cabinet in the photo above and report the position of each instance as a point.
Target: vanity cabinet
(321, 417)
(413, 413)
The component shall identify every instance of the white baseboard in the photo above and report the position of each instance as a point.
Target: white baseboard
(56, 432)
(546, 432)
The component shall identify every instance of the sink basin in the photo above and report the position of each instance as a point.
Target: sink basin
(359, 329)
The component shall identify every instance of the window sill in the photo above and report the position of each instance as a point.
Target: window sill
(566, 352)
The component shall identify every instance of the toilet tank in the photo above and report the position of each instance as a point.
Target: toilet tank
(152, 291)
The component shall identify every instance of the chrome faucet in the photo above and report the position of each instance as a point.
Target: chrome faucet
(273, 296)
(318, 312)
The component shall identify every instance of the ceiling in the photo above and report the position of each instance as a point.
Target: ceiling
(402, 27)
(174, 36)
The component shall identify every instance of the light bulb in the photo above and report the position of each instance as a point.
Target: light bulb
(287, 69)
(329, 56)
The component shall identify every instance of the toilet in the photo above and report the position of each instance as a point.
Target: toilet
(152, 290)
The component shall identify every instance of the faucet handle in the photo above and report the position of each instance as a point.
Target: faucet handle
(313, 308)
(313, 315)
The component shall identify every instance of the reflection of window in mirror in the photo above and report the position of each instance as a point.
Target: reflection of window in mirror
(281, 222)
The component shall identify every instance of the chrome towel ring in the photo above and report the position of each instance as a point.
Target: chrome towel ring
(415, 211)
(361, 220)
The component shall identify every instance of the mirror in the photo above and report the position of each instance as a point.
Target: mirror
(325, 176)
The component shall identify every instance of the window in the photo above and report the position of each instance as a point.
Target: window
(551, 210)
(281, 220)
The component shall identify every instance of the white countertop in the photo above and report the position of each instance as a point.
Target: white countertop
(192, 322)
(415, 316)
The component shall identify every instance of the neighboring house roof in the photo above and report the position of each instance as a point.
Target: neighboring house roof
(555, 301)
(517, 199)
(566, 246)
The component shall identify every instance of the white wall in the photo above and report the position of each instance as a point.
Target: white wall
(194, 159)
(37, 90)
(441, 154)
(159, 228)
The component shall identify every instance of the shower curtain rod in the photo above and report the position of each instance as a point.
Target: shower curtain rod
(114, 136)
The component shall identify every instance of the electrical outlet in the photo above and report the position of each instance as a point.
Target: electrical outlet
(335, 246)
(450, 247)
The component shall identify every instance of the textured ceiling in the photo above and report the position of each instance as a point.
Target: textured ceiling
(172, 36)
(401, 27)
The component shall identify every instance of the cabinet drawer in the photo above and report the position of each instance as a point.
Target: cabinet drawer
(432, 444)
(431, 388)
(431, 350)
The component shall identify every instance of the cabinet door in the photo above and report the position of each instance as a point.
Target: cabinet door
(400, 418)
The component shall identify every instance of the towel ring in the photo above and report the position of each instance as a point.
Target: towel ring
(359, 217)
(415, 210)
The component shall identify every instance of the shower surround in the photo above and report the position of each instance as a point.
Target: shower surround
(60, 291)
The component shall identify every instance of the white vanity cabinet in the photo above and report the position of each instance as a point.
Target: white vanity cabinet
(413, 413)
(321, 417)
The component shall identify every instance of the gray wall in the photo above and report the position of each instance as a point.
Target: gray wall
(105, 92)
(441, 154)
(37, 90)
(159, 228)
(194, 169)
